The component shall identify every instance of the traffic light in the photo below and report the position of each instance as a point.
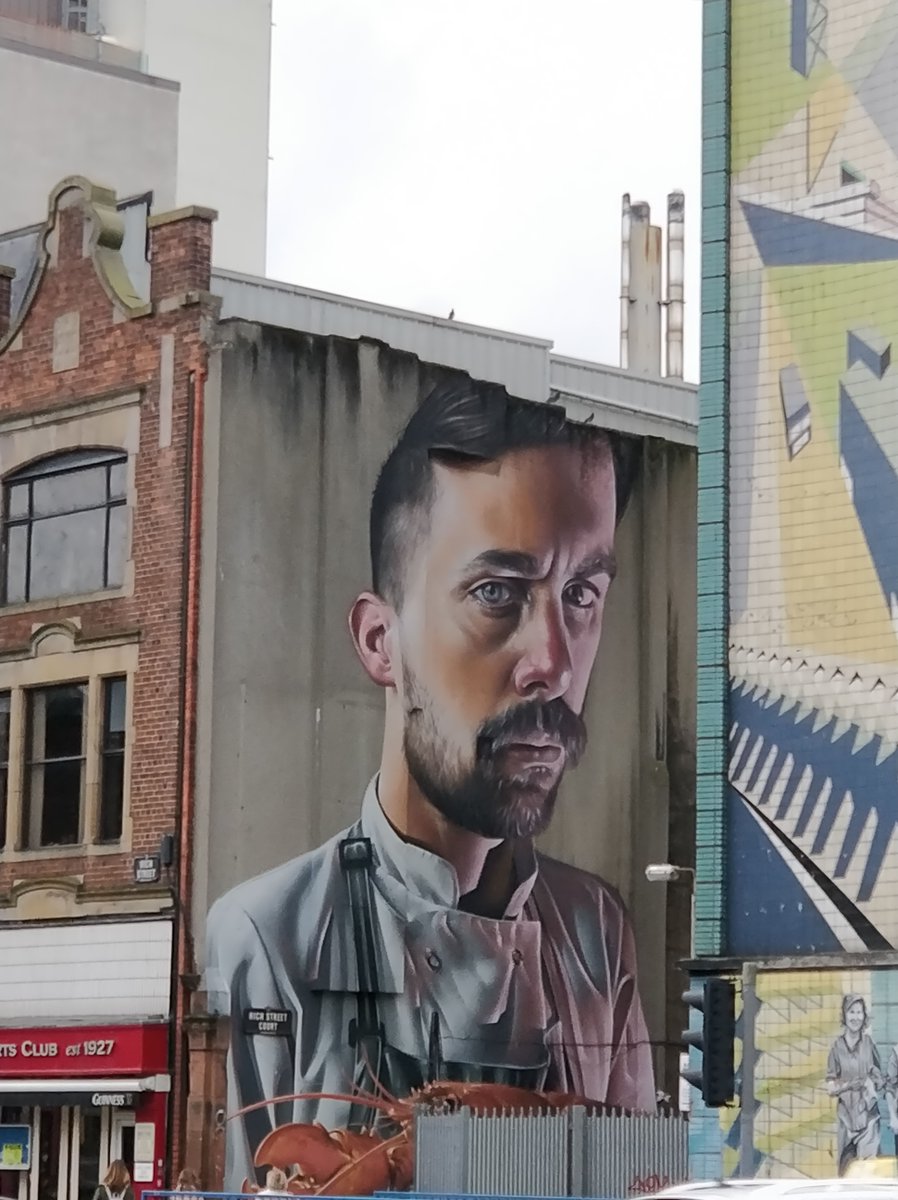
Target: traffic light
(715, 999)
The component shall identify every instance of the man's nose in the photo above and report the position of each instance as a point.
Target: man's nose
(544, 667)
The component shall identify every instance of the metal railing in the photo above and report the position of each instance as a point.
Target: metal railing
(168, 1195)
(571, 1153)
(201, 1195)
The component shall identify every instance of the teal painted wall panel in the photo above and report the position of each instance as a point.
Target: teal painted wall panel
(713, 494)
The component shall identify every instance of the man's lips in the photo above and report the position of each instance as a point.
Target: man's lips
(541, 753)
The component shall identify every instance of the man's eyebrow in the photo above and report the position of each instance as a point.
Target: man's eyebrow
(602, 563)
(516, 561)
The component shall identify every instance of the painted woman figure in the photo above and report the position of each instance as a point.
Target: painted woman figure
(892, 1092)
(854, 1077)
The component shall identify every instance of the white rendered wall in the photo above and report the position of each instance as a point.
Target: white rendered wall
(67, 117)
(219, 51)
(75, 971)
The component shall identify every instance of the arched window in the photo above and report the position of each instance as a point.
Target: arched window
(65, 525)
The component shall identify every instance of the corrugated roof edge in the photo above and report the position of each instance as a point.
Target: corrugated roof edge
(610, 413)
(640, 405)
(564, 360)
(647, 405)
(372, 306)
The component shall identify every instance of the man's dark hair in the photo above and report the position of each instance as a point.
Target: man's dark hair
(466, 420)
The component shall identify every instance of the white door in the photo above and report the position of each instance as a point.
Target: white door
(121, 1137)
(89, 1155)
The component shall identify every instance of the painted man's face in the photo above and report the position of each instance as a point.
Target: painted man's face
(855, 1017)
(498, 630)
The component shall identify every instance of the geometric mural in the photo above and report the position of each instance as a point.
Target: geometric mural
(810, 870)
(808, 26)
(813, 478)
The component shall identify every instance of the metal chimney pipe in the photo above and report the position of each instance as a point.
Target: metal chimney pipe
(644, 292)
(676, 203)
(625, 283)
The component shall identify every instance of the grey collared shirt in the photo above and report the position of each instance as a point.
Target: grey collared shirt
(548, 992)
(856, 1073)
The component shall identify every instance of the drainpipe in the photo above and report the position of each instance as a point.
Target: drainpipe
(185, 956)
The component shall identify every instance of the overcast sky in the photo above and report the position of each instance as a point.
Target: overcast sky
(471, 154)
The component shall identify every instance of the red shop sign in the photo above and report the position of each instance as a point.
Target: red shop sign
(84, 1050)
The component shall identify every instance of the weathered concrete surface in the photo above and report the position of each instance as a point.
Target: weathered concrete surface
(297, 428)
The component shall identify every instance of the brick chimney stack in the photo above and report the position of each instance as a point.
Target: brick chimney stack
(181, 252)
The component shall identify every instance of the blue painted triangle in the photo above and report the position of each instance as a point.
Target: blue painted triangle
(789, 240)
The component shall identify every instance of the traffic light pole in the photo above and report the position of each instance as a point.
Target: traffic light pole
(747, 1085)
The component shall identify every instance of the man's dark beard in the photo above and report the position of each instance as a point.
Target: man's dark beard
(482, 799)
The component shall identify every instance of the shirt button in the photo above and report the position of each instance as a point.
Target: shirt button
(517, 956)
(433, 960)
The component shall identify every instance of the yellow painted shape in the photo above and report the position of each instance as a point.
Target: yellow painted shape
(801, 984)
(826, 114)
(791, 1132)
(873, 1168)
(833, 598)
(819, 305)
(729, 1162)
(766, 92)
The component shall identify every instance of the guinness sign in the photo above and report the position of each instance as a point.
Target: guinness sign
(112, 1100)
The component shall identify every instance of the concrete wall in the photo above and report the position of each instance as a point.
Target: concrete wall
(117, 127)
(219, 51)
(297, 427)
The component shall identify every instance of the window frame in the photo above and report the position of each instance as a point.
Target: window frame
(90, 667)
(31, 819)
(79, 9)
(42, 469)
(107, 754)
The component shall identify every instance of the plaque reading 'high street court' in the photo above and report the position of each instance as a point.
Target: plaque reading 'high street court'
(269, 1022)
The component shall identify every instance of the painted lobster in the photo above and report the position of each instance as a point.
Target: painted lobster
(344, 1162)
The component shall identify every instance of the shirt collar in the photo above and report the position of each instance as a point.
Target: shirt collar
(426, 874)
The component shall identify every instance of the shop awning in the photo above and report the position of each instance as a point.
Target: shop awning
(97, 1093)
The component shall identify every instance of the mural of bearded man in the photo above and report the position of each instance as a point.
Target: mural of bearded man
(431, 936)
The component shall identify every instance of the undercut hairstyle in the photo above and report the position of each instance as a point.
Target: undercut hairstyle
(466, 421)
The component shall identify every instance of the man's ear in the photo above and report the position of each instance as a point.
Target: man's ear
(370, 623)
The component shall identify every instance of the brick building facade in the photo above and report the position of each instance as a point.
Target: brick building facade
(100, 423)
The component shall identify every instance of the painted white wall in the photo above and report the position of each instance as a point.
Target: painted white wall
(99, 971)
(73, 118)
(219, 51)
(125, 21)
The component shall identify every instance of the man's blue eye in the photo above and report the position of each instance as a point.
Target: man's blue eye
(494, 593)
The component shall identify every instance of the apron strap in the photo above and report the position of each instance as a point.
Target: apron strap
(436, 1067)
(366, 1031)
